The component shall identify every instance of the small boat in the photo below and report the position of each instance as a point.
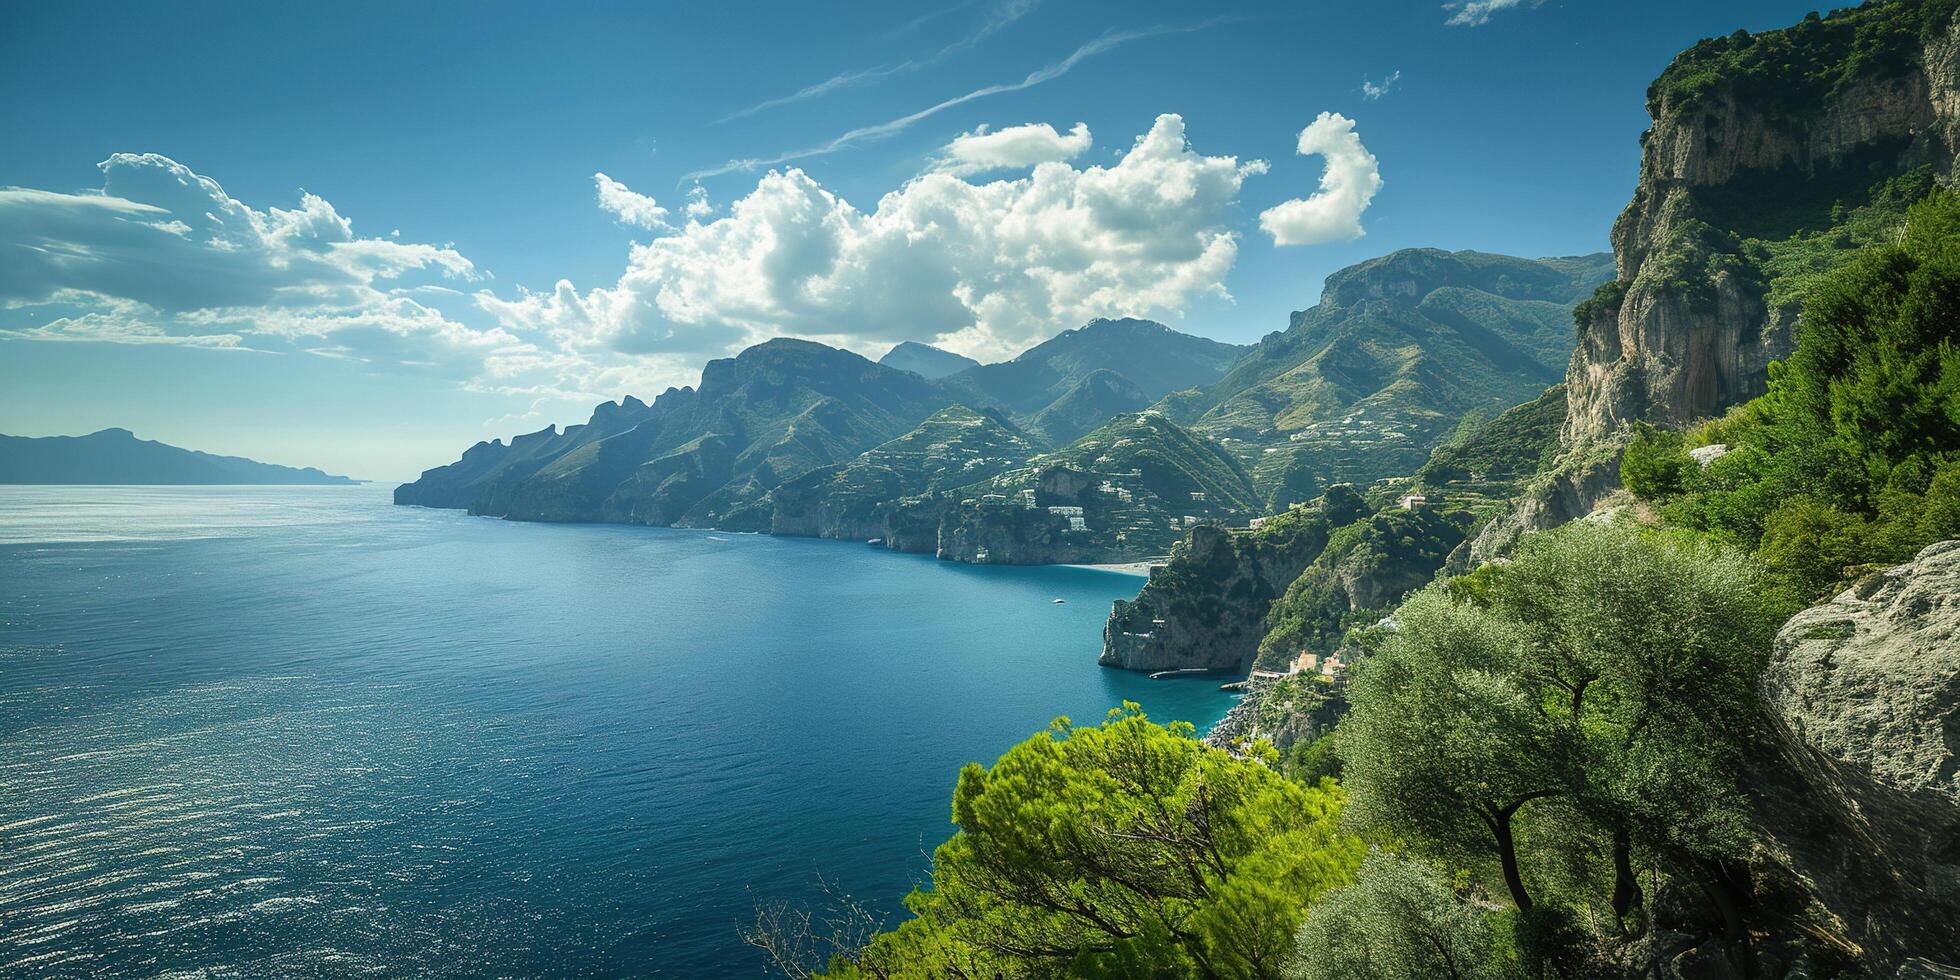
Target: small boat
(1060, 601)
(876, 542)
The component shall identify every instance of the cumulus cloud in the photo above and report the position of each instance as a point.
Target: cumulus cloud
(1347, 187)
(630, 208)
(986, 268)
(162, 255)
(697, 205)
(1476, 13)
(1371, 89)
(1013, 148)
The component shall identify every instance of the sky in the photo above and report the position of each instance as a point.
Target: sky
(363, 236)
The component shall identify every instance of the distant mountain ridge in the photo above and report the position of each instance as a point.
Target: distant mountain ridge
(115, 457)
(793, 437)
(926, 361)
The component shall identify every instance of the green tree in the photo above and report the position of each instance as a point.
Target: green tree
(1127, 849)
(1398, 921)
(1603, 678)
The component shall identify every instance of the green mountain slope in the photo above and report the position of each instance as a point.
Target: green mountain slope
(954, 447)
(1132, 484)
(1363, 385)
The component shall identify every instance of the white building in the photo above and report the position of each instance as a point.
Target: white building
(1411, 501)
(1060, 511)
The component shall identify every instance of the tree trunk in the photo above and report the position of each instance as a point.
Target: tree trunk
(1507, 854)
(1626, 886)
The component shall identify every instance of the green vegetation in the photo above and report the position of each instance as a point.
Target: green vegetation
(1789, 70)
(1493, 457)
(1559, 723)
(1399, 921)
(1365, 569)
(1853, 455)
(1128, 849)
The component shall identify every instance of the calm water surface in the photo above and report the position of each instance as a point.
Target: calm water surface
(301, 732)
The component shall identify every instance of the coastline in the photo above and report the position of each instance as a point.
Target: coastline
(1140, 569)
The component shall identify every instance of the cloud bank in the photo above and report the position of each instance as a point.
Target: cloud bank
(986, 269)
(1347, 188)
(160, 254)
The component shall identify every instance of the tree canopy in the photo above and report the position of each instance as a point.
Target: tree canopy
(1126, 849)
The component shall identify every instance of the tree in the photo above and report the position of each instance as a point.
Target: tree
(1444, 743)
(1398, 921)
(1604, 677)
(1125, 849)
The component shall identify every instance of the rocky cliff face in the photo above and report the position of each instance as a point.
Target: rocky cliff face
(1860, 812)
(1206, 607)
(1738, 153)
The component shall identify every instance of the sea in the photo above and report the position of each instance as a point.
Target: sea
(302, 732)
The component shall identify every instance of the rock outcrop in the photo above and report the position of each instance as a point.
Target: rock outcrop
(1688, 327)
(1206, 607)
(1872, 678)
(1860, 812)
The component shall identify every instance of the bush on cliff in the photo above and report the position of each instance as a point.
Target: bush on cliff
(1852, 457)
(1128, 849)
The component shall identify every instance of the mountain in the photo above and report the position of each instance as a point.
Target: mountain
(1124, 491)
(954, 447)
(926, 361)
(116, 456)
(773, 412)
(1078, 379)
(1367, 382)
(795, 437)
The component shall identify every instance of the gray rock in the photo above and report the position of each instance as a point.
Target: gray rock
(1872, 677)
(1857, 806)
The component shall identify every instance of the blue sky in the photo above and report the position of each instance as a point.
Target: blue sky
(979, 173)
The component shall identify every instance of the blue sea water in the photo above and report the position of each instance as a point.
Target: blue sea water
(294, 731)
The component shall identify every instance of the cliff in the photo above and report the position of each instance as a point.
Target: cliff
(1758, 143)
(1206, 607)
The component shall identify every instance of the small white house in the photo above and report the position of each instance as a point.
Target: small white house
(1411, 501)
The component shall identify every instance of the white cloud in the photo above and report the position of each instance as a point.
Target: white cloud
(1013, 148)
(997, 16)
(1333, 214)
(1371, 89)
(1476, 13)
(878, 131)
(697, 205)
(162, 255)
(984, 269)
(630, 208)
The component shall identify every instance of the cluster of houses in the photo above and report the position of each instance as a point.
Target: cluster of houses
(1330, 668)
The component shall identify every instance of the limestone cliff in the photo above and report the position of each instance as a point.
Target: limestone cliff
(1754, 138)
(1206, 608)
